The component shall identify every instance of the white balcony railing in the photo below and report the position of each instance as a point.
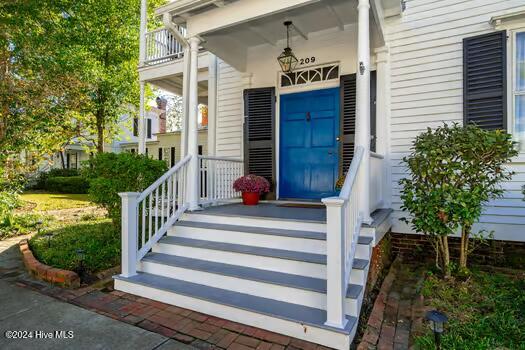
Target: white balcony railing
(161, 46)
(216, 177)
(147, 216)
(344, 219)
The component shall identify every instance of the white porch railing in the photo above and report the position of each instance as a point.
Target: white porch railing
(147, 216)
(216, 177)
(344, 219)
(161, 46)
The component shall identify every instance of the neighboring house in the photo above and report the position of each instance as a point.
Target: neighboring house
(371, 75)
(167, 146)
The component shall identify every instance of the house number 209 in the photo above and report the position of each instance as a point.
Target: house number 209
(307, 60)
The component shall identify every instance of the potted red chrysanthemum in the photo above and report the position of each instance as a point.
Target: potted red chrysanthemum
(251, 187)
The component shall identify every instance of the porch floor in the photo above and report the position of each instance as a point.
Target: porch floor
(271, 210)
(276, 210)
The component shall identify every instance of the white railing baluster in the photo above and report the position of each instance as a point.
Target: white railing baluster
(217, 175)
(161, 46)
(150, 215)
(143, 233)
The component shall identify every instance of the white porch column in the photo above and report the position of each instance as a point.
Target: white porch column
(193, 114)
(362, 137)
(335, 260)
(383, 120)
(212, 103)
(142, 124)
(143, 27)
(185, 102)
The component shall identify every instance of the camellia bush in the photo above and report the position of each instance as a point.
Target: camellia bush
(109, 174)
(453, 171)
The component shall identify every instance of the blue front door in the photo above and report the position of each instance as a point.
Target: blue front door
(309, 127)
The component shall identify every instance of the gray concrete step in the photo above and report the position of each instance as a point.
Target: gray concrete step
(248, 273)
(269, 307)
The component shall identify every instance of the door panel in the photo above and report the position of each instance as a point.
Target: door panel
(308, 146)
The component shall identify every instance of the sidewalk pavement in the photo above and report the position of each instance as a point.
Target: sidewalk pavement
(37, 317)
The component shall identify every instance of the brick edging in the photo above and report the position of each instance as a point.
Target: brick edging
(47, 273)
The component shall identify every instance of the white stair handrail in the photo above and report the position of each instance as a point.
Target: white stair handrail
(147, 216)
(343, 223)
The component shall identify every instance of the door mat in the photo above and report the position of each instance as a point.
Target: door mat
(302, 205)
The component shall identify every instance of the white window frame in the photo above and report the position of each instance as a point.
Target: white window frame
(512, 90)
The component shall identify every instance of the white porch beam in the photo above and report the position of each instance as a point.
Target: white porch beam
(297, 27)
(142, 31)
(362, 137)
(379, 16)
(142, 116)
(193, 113)
(261, 34)
(334, 14)
(239, 12)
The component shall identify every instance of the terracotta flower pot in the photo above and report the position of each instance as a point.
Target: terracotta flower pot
(250, 198)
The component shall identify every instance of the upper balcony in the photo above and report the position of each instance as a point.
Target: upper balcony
(162, 46)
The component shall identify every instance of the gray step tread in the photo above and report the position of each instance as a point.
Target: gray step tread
(254, 229)
(246, 249)
(248, 273)
(269, 307)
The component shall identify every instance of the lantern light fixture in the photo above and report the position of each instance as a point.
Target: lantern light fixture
(287, 59)
(437, 321)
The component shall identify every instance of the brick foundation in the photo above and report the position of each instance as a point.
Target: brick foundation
(493, 252)
(47, 273)
(381, 258)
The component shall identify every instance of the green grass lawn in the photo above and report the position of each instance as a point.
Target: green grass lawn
(55, 201)
(96, 237)
(486, 311)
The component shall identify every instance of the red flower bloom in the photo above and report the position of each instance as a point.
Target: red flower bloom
(251, 183)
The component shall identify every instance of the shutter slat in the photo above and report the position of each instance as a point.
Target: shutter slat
(259, 126)
(485, 80)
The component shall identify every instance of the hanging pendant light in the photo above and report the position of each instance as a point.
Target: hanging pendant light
(287, 59)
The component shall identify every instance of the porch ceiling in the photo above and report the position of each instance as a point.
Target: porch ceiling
(232, 43)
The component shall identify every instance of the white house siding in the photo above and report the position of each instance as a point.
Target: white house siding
(426, 90)
(230, 84)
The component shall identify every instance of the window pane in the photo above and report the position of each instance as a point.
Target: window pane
(520, 117)
(520, 61)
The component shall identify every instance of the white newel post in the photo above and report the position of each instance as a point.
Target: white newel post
(363, 107)
(129, 233)
(142, 32)
(193, 114)
(335, 261)
(142, 119)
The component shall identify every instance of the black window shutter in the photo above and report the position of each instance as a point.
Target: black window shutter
(347, 109)
(149, 129)
(160, 153)
(485, 80)
(259, 134)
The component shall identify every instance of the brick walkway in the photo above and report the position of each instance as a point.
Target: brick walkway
(397, 310)
(186, 326)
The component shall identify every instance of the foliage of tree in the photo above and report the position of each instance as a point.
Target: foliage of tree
(109, 174)
(454, 171)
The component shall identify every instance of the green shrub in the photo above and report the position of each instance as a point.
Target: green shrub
(97, 238)
(21, 224)
(72, 184)
(111, 173)
(41, 181)
(454, 171)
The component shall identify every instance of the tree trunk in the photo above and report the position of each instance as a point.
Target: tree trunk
(100, 131)
(465, 233)
(62, 160)
(446, 257)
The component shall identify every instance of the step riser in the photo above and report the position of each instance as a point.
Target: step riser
(261, 289)
(362, 251)
(358, 277)
(248, 260)
(293, 329)
(257, 222)
(251, 239)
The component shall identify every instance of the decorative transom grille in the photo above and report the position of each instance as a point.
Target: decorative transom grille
(310, 75)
